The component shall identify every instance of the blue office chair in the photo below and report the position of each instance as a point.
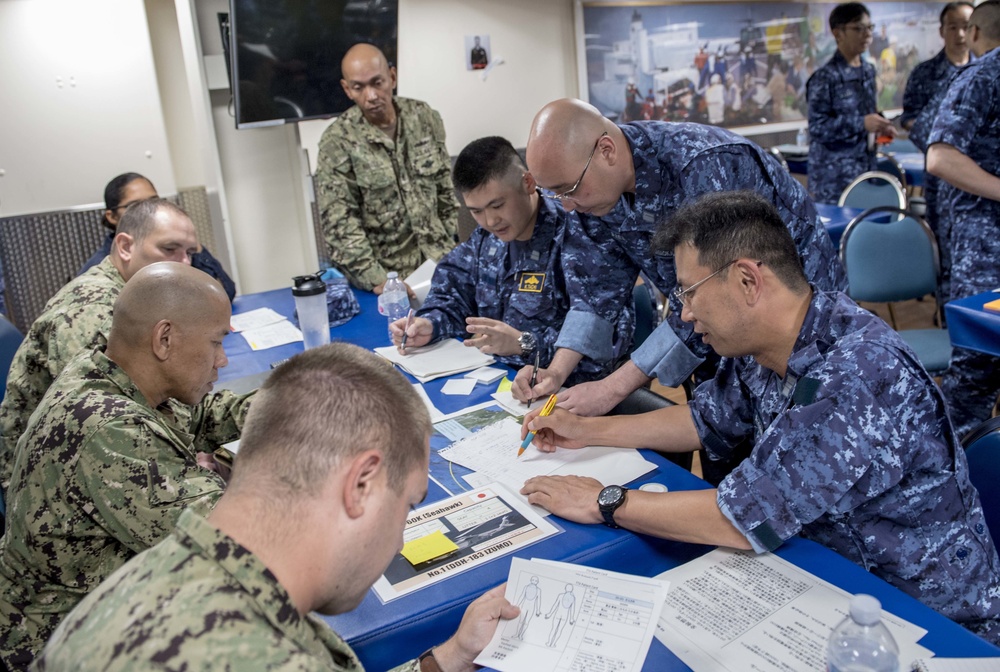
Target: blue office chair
(889, 261)
(887, 163)
(10, 339)
(982, 449)
(646, 316)
(872, 189)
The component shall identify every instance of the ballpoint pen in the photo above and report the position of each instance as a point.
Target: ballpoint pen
(534, 373)
(409, 321)
(546, 410)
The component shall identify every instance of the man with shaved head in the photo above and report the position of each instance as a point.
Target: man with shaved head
(78, 317)
(383, 178)
(625, 180)
(105, 467)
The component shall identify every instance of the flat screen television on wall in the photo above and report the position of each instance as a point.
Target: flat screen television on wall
(285, 55)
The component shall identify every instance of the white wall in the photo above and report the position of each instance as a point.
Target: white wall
(80, 102)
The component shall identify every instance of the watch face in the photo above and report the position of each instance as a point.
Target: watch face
(610, 495)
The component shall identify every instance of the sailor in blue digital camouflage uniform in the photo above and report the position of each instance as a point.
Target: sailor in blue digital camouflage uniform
(925, 88)
(852, 443)
(842, 108)
(964, 150)
(507, 285)
(636, 175)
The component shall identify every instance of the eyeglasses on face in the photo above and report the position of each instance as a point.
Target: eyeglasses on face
(861, 27)
(569, 192)
(684, 295)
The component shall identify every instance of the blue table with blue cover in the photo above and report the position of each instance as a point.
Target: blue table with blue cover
(384, 635)
(971, 326)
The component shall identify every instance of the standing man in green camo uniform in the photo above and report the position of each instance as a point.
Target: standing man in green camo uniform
(78, 317)
(105, 468)
(383, 178)
(333, 456)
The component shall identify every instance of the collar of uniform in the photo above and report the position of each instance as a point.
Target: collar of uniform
(116, 375)
(273, 601)
(809, 349)
(372, 133)
(628, 212)
(551, 217)
(107, 269)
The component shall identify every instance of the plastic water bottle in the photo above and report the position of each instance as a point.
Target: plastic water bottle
(802, 137)
(394, 302)
(861, 642)
(310, 306)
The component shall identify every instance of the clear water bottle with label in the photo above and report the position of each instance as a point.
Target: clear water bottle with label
(861, 642)
(394, 302)
(802, 137)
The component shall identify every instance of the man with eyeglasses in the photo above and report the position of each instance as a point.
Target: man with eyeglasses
(506, 288)
(624, 180)
(78, 317)
(852, 446)
(964, 151)
(843, 111)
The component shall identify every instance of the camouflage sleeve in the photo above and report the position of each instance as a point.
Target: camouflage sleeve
(827, 124)
(961, 114)
(452, 297)
(447, 205)
(219, 419)
(340, 209)
(916, 94)
(135, 482)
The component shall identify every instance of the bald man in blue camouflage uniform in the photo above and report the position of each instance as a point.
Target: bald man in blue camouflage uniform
(637, 175)
(842, 108)
(964, 150)
(852, 443)
(507, 285)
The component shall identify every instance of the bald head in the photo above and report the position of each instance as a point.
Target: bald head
(368, 80)
(568, 126)
(986, 19)
(363, 56)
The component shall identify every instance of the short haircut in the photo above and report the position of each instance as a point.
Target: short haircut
(846, 12)
(485, 160)
(114, 192)
(986, 15)
(140, 217)
(953, 6)
(326, 405)
(732, 225)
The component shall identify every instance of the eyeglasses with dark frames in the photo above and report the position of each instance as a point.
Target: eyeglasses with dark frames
(684, 295)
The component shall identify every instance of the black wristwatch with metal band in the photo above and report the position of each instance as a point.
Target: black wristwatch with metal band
(609, 501)
(528, 343)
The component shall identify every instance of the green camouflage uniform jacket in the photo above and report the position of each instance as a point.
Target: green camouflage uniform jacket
(386, 205)
(197, 601)
(99, 477)
(77, 318)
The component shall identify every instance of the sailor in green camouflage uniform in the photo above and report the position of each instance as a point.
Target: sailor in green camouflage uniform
(105, 468)
(78, 317)
(333, 455)
(383, 178)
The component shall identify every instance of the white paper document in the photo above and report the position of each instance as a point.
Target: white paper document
(734, 610)
(515, 407)
(420, 280)
(272, 335)
(487, 374)
(459, 386)
(575, 618)
(440, 359)
(254, 319)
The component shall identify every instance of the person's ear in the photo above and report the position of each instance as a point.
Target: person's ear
(364, 481)
(392, 77)
(162, 338)
(346, 88)
(112, 217)
(751, 279)
(529, 182)
(126, 246)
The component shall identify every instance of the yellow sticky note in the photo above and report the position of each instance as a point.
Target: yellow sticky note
(427, 548)
(993, 305)
(505, 385)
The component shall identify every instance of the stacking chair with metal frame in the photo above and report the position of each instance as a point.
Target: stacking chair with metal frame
(872, 189)
(889, 261)
(887, 163)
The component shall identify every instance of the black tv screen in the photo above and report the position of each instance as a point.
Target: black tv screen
(285, 55)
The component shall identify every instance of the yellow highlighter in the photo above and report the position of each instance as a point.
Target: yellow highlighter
(546, 410)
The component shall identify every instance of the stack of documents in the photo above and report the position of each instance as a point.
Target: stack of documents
(263, 328)
(440, 359)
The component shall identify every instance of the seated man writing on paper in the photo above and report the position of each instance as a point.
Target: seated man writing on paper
(852, 444)
(507, 285)
(334, 455)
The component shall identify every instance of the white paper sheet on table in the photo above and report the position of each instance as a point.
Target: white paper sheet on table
(272, 335)
(512, 405)
(733, 611)
(254, 319)
(420, 280)
(440, 359)
(486, 374)
(459, 386)
(574, 618)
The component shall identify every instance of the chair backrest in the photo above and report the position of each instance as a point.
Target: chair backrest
(889, 261)
(645, 314)
(887, 163)
(10, 339)
(776, 153)
(873, 189)
(982, 449)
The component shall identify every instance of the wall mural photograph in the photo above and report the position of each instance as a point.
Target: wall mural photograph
(737, 64)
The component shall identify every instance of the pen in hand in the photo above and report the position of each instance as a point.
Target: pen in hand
(534, 375)
(546, 410)
(409, 321)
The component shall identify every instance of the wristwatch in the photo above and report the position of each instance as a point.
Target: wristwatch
(528, 343)
(427, 662)
(609, 501)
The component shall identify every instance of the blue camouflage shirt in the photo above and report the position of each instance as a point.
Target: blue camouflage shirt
(839, 97)
(967, 120)
(526, 285)
(854, 450)
(676, 163)
(924, 84)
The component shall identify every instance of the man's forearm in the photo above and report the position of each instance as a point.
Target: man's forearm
(951, 165)
(691, 516)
